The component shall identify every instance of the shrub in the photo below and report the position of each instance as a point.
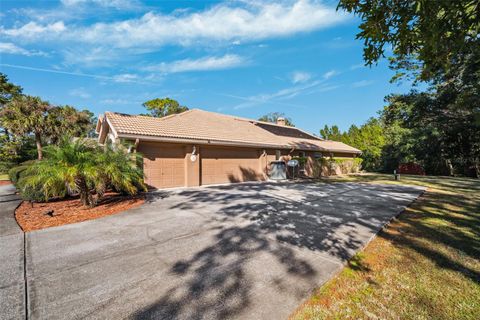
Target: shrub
(15, 173)
(81, 167)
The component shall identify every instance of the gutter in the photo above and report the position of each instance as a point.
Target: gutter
(199, 141)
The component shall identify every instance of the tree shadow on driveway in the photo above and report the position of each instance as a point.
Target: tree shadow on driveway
(269, 236)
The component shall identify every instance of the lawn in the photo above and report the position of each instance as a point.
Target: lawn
(3, 177)
(425, 265)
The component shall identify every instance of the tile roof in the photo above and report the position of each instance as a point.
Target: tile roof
(198, 124)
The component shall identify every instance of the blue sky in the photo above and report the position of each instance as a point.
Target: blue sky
(243, 58)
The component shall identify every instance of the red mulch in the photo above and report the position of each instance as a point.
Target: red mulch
(5, 182)
(71, 210)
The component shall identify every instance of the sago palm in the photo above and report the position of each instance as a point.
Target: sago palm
(84, 168)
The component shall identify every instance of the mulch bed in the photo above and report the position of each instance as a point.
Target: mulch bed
(5, 182)
(71, 210)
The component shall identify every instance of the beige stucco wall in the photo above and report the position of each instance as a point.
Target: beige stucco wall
(170, 165)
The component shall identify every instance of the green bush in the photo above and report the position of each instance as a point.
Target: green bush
(80, 167)
(15, 173)
(328, 166)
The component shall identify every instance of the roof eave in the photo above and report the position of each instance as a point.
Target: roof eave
(198, 141)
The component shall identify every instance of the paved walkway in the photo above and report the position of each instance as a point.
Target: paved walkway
(12, 282)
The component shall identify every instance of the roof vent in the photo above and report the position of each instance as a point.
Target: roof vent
(281, 121)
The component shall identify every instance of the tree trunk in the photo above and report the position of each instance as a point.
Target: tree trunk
(477, 169)
(38, 142)
(449, 167)
(85, 196)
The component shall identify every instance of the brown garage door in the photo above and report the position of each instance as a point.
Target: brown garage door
(224, 165)
(163, 165)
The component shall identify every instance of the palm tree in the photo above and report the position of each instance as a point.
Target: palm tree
(25, 115)
(84, 168)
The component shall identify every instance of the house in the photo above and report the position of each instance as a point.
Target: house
(198, 147)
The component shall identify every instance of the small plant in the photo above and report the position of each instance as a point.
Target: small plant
(81, 168)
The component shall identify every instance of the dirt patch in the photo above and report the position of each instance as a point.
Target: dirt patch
(5, 182)
(56, 213)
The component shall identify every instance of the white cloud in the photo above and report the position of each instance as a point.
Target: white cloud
(87, 56)
(362, 83)
(357, 66)
(223, 23)
(300, 77)
(11, 48)
(119, 4)
(110, 101)
(80, 92)
(329, 74)
(35, 31)
(126, 77)
(76, 74)
(277, 97)
(203, 64)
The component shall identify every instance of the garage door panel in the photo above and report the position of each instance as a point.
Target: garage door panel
(163, 166)
(230, 165)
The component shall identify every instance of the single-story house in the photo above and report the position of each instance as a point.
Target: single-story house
(199, 147)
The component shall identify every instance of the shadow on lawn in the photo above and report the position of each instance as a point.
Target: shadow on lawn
(219, 280)
(425, 231)
(459, 184)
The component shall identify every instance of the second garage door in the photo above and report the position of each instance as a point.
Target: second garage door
(224, 165)
(163, 165)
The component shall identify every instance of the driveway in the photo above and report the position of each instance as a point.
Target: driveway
(247, 251)
(12, 280)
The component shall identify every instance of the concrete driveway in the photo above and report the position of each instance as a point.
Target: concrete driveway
(249, 251)
(12, 272)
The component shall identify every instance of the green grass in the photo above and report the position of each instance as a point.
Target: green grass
(4, 177)
(425, 265)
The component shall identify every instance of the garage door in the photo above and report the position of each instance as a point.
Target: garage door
(163, 165)
(224, 165)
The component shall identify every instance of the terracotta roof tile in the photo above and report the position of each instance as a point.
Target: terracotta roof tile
(198, 124)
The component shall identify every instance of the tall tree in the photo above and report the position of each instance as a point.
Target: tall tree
(331, 133)
(161, 107)
(272, 117)
(427, 36)
(25, 115)
(7, 90)
(66, 120)
(369, 138)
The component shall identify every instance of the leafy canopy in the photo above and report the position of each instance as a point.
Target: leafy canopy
(25, 115)
(427, 37)
(161, 107)
(369, 138)
(7, 90)
(68, 121)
